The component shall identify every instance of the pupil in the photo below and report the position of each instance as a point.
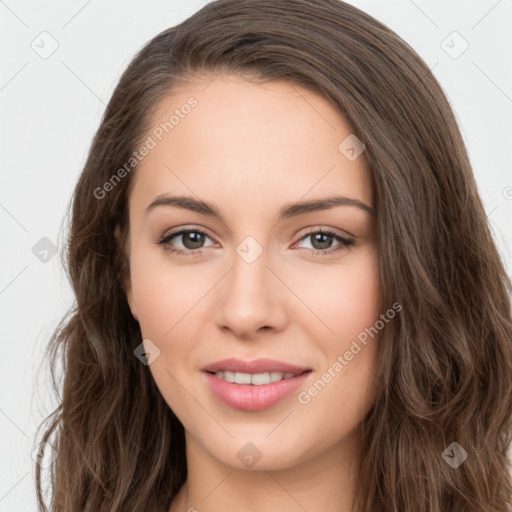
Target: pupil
(192, 240)
(323, 244)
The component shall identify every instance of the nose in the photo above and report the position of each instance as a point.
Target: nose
(251, 298)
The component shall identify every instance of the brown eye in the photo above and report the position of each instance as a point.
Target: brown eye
(192, 239)
(321, 242)
(188, 242)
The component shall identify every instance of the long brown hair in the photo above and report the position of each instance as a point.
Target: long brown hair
(445, 367)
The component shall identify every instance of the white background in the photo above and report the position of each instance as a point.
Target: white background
(50, 109)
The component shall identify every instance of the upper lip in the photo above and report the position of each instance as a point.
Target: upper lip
(255, 366)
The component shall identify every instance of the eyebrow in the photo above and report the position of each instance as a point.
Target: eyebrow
(288, 211)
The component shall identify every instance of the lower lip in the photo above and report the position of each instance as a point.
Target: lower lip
(248, 397)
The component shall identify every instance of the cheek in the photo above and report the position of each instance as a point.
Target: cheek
(359, 298)
(155, 302)
(164, 294)
(346, 298)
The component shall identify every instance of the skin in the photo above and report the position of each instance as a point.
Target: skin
(249, 149)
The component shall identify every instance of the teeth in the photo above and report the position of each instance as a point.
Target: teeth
(275, 376)
(256, 379)
(229, 376)
(242, 378)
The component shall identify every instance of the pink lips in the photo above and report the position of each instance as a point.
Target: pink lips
(249, 397)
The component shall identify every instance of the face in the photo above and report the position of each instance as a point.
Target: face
(234, 270)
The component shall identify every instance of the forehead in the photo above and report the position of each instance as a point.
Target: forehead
(244, 143)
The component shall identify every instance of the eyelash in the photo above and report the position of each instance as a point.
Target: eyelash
(164, 241)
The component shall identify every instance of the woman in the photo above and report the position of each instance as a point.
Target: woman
(288, 296)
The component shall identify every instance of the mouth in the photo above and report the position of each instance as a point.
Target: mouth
(253, 385)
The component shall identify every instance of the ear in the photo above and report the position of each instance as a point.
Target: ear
(126, 280)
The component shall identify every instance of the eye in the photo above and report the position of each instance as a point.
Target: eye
(322, 240)
(192, 241)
